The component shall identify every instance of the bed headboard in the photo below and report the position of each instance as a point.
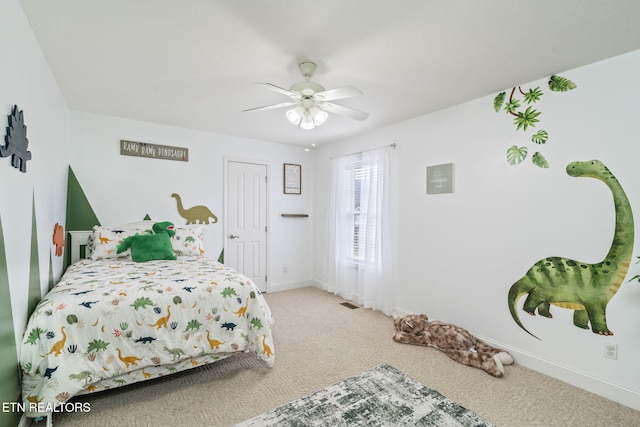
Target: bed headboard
(79, 241)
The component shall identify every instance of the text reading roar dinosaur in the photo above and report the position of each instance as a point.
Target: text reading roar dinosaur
(580, 286)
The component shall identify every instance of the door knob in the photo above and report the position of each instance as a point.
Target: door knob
(233, 236)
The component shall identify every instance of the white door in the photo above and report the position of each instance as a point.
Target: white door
(246, 220)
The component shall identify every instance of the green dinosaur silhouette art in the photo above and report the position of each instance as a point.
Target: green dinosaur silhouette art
(196, 214)
(585, 288)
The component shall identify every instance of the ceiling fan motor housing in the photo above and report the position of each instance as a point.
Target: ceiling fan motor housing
(307, 88)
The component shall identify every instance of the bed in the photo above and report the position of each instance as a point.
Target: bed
(111, 321)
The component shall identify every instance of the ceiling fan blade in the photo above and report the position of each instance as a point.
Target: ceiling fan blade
(271, 107)
(338, 93)
(280, 90)
(343, 111)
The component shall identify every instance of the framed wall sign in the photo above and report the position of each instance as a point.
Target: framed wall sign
(440, 179)
(292, 178)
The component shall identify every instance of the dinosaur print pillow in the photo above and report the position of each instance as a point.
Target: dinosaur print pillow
(104, 240)
(188, 240)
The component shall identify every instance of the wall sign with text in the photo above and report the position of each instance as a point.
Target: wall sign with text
(440, 179)
(153, 151)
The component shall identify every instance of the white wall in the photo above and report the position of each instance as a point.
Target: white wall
(123, 189)
(459, 253)
(27, 81)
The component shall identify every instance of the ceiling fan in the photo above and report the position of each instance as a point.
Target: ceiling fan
(311, 102)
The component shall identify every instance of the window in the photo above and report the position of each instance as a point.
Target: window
(364, 176)
(361, 221)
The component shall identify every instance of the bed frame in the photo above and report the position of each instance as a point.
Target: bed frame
(78, 240)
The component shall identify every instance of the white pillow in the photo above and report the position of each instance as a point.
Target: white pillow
(104, 240)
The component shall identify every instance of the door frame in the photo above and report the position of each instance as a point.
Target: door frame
(225, 203)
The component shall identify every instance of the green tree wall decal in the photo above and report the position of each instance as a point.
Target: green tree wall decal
(9, 368)
(35, 293)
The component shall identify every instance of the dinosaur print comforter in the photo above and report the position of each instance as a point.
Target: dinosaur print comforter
(114, 322)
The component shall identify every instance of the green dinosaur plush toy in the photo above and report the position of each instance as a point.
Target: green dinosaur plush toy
(147, 247)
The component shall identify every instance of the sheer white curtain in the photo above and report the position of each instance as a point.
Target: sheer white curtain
(360, 243)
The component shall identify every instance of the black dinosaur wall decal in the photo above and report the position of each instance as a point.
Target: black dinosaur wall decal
(16, 141)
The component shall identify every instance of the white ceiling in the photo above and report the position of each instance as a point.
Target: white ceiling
(192, 63)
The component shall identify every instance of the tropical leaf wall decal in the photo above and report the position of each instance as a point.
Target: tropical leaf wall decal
(516, 155)
(520, 104)
(635, 278)
(560, 84)
(540, 137)
(539, 160)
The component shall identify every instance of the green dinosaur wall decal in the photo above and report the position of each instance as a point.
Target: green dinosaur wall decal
(525, 118)
(585, 288)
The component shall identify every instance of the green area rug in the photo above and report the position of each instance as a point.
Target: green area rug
(382, 396)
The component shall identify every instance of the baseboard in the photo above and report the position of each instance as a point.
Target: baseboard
(400, 312)
(279, 287)
(608, 390)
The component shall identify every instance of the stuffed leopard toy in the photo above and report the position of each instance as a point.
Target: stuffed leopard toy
(456, 342)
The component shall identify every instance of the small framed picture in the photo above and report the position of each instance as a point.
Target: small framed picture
(292, 178)
(440, 179)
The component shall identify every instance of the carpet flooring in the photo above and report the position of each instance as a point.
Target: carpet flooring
(319, 342)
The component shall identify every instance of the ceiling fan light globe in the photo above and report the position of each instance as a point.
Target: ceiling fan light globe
(307, 122)
(294, 116)
(319, 117)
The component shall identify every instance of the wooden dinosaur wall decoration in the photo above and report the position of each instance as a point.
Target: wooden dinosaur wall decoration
(16, 141)
(196, 214)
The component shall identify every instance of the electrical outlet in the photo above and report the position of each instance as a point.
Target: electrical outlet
(611, 350)
(284, 270)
